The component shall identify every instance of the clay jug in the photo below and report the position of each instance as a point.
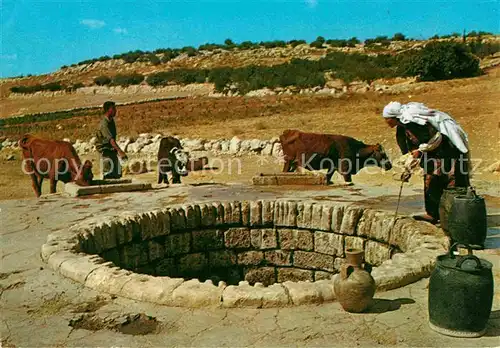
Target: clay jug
(354, 287)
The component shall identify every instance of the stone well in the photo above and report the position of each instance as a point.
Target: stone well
(241, 254)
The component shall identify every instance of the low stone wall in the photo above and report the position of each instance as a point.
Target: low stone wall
(299, 246)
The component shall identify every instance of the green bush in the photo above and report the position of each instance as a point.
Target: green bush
(443, 61)
(482, 50)
(295, 43)
(102, 80)
(398, 37)
(127, 79)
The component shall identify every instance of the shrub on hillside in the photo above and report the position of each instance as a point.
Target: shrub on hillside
(398, 37)
(483, 49)
(443, 61)
(295, 43)
(177, 76)
(125, 80)
(102, 80)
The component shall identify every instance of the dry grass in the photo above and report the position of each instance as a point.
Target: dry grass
(472, 102)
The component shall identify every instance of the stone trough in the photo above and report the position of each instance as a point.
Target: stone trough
(105, 186)
(266, 253)
(289, 179)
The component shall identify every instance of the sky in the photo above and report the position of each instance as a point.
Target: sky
(40, 36)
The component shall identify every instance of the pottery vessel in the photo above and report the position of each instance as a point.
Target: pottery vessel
(354, 286)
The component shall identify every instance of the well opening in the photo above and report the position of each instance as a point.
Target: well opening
(198, 255)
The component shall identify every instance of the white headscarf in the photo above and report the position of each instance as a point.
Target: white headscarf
(420, 114)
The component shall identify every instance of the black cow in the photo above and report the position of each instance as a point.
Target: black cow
(171, 158)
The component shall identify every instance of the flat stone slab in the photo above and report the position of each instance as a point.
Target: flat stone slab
(105, 186)
(288, 179)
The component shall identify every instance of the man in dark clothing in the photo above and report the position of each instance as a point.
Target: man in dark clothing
(441, 155)
(106, 144)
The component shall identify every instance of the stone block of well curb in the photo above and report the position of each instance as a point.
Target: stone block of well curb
(303, 292)
(150, 289)
(250, 258)
(267, 213)
(294, 275)
(295, 240)
(208, 215)
(311, 260)
(80, 267)
(285, 214)
(166, 267)
(376, 225)
(248, 296)
(134, 255)
(325, 288)
(278, 257)
(264, 275)
(263, 238)
(376, 253)
(192, 293)
(404, 230)
(388, 277)
(177, 219)
(108, 279)
(123, 231)
(232, 213)
(56, 259)
(218, 214)
(242, 296)
(329, 243)
(245, 213)
(156, 227)
(304, 215)
(104, 236)
(354, 243)
(222, 258)
(146, 226)
(112, 255)
(50, 248)
(208, 240)
(321, 275)
(337, 217)
(86, 241)
(350, 220)
(193, 263)
(237, 238)
(156, 250)
(256, 213)
(322, 215)
(193, 216)
(177, 244)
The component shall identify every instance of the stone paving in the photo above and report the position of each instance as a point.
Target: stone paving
(39, 305)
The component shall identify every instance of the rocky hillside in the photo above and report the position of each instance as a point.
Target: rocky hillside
(84, 74)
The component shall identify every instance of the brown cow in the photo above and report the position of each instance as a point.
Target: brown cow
(56, 160)
(314, 151)
(171, 157)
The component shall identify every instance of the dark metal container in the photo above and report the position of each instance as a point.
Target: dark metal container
(446, 203)
(467, 221)
(460, 294)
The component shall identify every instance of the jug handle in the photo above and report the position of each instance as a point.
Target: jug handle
(345, 272)
(469, 257)
(452, 248)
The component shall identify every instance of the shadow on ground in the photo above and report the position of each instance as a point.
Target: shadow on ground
(383, 305)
